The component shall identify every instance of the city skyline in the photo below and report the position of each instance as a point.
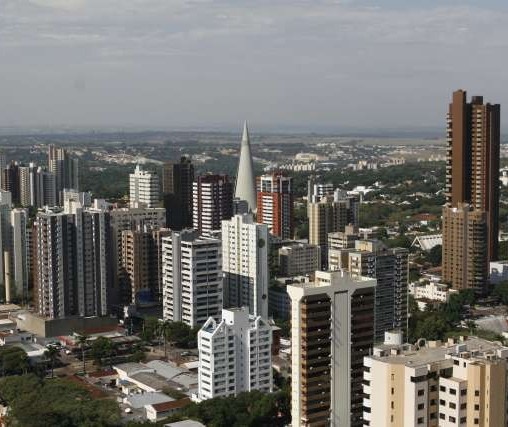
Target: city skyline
(284, 67)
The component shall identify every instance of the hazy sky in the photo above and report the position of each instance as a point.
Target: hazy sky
(301, 64)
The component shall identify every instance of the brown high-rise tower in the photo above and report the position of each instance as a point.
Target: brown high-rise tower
(472, 185)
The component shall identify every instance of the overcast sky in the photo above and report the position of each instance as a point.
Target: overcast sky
(282, 64)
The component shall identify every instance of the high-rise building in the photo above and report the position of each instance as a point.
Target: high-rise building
(453, 384)
(275, 204)
(465, 247)
(299, 259)
(71, 260)
(472, 177)
(245, 188)
(65, 168)
(192, 278)
(245, 264)
(3, 164)
(177, 179)
(18, 255)
(45, 188)
(329, 214)
(332, 330)
(212, 202)
(234, 355)
(28, 185)
(10, 181)
(143, 189)
(129, 219)
(142, 265)
(371, 258)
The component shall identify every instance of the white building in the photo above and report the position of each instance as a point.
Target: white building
(245, 264)
(433, 290)
(191, 277)
(143, 188)
(19, 254)
(234, 355)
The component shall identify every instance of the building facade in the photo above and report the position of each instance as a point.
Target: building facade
(234, 355)
(389, 267)
(212, 202)
(245, 264)
(330, 214)
(177, 180)
(472, 178)
(450, 385)
(192, 278)
(143, 189)
(299, 259)
(332, 330)
(275, 204)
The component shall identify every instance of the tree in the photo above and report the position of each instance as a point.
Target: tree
(471, 326)
(434, 255)
(57, 403)
(501, 292)
(150, 329)
(103, 348)
(52, 354)
(82, 341)
(13, 360)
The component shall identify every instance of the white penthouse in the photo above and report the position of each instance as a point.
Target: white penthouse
(234, 355)
(191, 278)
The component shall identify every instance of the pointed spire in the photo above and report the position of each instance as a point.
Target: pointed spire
(245, 135)
(245, 181)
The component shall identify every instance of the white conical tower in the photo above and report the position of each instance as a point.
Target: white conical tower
(245, 181)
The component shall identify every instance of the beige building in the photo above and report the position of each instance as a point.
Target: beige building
(299, 259)
(465, 262)
(332, 330)
(329, 214)
(436, 385)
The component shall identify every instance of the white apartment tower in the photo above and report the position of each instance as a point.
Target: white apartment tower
(234, 355)
(245, 264)
(191, 277)
(143, 188)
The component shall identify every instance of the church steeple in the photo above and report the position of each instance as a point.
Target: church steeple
(245, 181)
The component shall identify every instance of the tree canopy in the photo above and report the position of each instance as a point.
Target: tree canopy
(55, 403)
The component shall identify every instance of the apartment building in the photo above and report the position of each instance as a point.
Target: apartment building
(298, 259)
(434, 384)
(212, 202)
(275, 204)
(191, 277)
(245, 264)
(143, 189)
(332, 329)
(234, 355)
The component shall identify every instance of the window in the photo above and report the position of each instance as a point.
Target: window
(421, 392)
(421, 406)
(453, 392)
(420, 420)
(441, 416)
(442, 402)
(442, 388)
(463, 420)
(477, 393)
(463, 406)
(452, 405)
(476, 407)
(463, 392)
(451, 419)
(393, 390)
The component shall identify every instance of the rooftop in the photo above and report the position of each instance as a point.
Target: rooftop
(150, 379)
(137, 401)
(186, 423)
(434, 351)
(164, 369)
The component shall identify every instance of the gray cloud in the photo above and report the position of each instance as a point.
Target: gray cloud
(308, 64)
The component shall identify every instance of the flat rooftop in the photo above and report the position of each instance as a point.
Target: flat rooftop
(423, 356)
